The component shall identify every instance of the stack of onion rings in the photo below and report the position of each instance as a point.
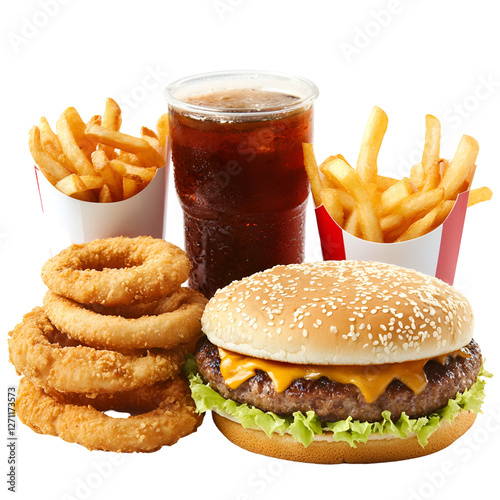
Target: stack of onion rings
(112, 335)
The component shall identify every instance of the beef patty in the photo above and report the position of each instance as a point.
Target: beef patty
(333, 401)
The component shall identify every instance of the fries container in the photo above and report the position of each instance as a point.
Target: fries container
(435, 253)
(73, 221)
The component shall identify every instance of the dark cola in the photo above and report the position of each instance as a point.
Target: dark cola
(241, 182)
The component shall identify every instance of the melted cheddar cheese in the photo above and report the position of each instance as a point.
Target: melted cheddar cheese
(371, 380)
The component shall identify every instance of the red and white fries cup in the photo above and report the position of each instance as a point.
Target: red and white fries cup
(73, 221)
(435, 253)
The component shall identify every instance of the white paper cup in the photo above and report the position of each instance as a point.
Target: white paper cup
(73, 221)
(435, 253)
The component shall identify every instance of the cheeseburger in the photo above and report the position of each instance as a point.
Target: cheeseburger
(339, 361)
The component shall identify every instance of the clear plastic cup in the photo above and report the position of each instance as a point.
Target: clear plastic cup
(236, 141)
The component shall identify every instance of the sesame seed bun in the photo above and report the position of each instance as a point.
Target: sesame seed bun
(338, 313)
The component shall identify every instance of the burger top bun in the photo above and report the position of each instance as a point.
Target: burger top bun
(338, 313)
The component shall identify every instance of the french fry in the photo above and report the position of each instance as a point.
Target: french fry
(312, 172)
(131, 187)
(331, 201)
(95, 120)
(460, 167)
(147, 132)
(112, 120)
(105, 195)
(443, 166)
(480, 194)
(432, 143)
(389, 223)
(73, 186)
(68, 138)
(92, 181)
(77, 126)
(417, 176)
(76, 123)
(394, 195)
(139, 174)
(130, 158)
(326, 182)
(112, 116)
(349, 178)
(391, 236)
(150, 136)
(374, 195)
(51, 144)
(370, 145)
(51, 168)
(346, 199)
(444, 209)
(145, 152)
(432, 177)
(419, 202)
(107, 171)
(420, 226)
(470, 177)
(384, 182)
(162, 129)
(352, 225)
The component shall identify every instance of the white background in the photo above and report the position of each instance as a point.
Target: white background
(408, 57)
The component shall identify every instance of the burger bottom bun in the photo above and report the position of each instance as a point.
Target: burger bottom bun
(324, 451)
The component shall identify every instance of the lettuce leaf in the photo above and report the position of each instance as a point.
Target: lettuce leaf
(304, 427)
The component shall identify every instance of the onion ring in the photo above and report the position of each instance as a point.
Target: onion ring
(153, 308)
(139, 400)
(38, 350)
(165, 330)
(174, 416)
(117, 271)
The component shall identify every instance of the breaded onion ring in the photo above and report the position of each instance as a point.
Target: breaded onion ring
(171, 417)
(39, 351)
(139, 400)
(117, 271)
(153, 308)
(166, 329)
